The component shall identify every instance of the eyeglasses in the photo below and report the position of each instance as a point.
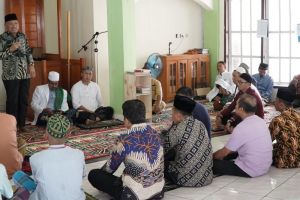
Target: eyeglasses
(241, 82)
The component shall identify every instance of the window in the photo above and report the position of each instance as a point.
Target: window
(281, 49)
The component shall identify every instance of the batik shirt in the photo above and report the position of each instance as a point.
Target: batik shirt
(285, 130)
(141, 151)
(15, 64)
(193, 161)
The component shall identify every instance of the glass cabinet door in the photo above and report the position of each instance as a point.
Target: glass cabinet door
(182, 73)
(194, 64)
(203, 79)
(172, 76)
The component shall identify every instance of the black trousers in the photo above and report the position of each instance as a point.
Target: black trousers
(227, 166)
(113, 186)
(106, 182)
(170, 157)
(17, 99)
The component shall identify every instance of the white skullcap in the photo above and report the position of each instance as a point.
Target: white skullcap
(241, 70)
(53, 76)
(223, 84)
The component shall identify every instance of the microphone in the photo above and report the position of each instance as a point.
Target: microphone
(97, 33)
(170, 48)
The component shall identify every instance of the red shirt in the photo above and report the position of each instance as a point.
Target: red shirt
(259, 111)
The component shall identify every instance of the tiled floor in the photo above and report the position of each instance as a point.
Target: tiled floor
(278, 184)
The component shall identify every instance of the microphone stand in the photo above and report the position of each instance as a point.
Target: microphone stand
(84, 47)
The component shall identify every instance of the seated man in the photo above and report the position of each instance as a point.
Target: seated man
(10, 157)
(200, 112)
(225, 76)
(264, 82)
(5, 186)
(285, 130)
(86, 98)
(294, 86)
(188, 151)
(224, 95)
(141, 151)
(157, 103)
(241, 69)
(250, 141)
(48, 99)
(227, 116)
(58, 170)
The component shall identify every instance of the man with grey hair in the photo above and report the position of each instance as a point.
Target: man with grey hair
(250, 143)
(87, 99)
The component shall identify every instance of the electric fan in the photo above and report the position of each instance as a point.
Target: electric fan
(154, 63)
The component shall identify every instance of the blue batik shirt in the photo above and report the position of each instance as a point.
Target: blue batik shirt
(141, 151)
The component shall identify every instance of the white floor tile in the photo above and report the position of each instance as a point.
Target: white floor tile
(193, 193)
(259, 185)
(231, 194)
(171, 197)
(288, 190)
(222, 181)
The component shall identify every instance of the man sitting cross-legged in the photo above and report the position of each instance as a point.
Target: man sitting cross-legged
(250, 143)
(58, 170)
(188, 151)
(285, 130)
(48, 99)
(200, 112)
(141, 151)
(264, 82)
(227, 116)
(86, 98)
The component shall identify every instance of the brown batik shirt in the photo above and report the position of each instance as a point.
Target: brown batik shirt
(285, 130)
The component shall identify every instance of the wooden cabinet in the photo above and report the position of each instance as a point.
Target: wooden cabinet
(138, 86)
(191, 70)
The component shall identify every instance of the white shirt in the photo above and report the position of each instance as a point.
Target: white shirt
(225, 76)
(40, 100)
(88, 96)
(59, 172)
(5, 187)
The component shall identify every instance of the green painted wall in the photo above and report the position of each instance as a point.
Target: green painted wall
(121, 47)
(211, 36)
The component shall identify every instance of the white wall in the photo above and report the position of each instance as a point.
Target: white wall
(2, 89)
(51, 27)
(101, 58)
(88, 17)
(207, 4)
(158, 21)
(81, 26)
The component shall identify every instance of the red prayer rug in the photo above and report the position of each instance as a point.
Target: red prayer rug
(94, 145)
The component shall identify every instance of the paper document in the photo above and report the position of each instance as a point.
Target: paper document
(262, 28)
